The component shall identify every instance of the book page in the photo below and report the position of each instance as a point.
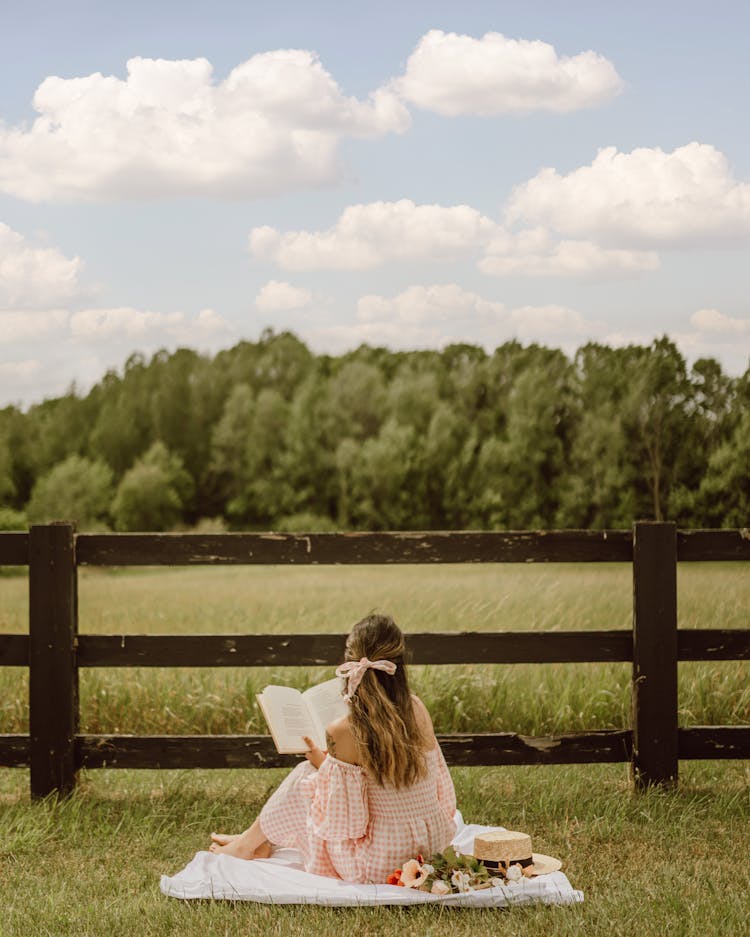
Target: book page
(288, 718)
(325, 704)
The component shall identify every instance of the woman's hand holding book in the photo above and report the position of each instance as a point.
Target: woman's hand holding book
(316, 756)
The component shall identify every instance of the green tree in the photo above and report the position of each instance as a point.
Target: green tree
(152, 494)
(412, 397)
(283, 364)
(267, 493)
(448, 457)
(229, 443)
(266, 431)
(520, 478)
(12, 520)
(123, 426)
(656, 419)
(723, 499)
(307, 461)
(76, 489)
(356, 399)
(599, 487)
(7, 484)
(377, 480)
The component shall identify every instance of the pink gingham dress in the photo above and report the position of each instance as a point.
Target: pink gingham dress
(347, 826)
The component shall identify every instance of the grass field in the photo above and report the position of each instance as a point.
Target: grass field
(528, 698)
(649, 865)
(652, 864)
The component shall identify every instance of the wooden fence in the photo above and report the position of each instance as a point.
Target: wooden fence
(54, 651)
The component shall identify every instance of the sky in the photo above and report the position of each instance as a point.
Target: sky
(409, 174)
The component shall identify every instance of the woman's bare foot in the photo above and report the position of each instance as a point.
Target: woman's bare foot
(223, 838)
(240, 848)
(252, 844)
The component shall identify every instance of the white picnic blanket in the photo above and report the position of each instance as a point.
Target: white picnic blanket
(283, 880)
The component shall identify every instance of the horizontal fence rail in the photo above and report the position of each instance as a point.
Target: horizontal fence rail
(522, 647)
(555, 546)
(14, 549)
(313, 650)
(55, 652)
(572, 546)
(258, 751)
(256, 650)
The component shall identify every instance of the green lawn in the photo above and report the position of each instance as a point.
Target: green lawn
(652, 864)
(649, 865)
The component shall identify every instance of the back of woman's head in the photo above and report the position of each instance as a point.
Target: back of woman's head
(389, 740)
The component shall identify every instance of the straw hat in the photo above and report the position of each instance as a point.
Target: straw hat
(502, 848)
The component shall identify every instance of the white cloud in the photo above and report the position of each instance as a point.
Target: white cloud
(36, 325)
(125, 324)
(276, 296)
(711, 322)
(273, 125)
(434, 316)
(32, 277)
(418, 317)
(646, 197)
(77, 348)
(19, 370)
(710, 334)
(121, 322)
(428, 304)
(367, 236)
(207, 329)
(535, 253)
(455, 74)
(548, 323)
(371, 235)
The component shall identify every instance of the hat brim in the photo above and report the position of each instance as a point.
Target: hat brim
(544, 864)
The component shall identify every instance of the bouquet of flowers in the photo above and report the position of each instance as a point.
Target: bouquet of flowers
(449, 872)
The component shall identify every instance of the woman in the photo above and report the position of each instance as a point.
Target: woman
(380, 794)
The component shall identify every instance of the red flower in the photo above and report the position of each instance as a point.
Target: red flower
(394, 878)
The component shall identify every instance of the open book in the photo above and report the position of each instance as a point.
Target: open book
(291, 714)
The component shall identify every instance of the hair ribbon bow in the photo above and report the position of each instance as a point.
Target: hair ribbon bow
(355, 670)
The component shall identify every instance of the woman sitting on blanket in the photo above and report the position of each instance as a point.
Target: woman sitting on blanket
(380, 794)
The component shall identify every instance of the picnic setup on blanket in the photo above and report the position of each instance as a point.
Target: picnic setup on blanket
(337, 833)
(509, 874)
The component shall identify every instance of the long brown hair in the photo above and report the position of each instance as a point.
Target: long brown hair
(389, 740)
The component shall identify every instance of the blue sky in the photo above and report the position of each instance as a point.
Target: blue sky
(413, 174)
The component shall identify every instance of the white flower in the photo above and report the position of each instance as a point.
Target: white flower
(461, 880)
(427, 868)
(497, 881)
(440, 888)
(514, 873)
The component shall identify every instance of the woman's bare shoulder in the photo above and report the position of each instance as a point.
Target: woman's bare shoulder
(340, 741)
(419, 707)
(424, 720)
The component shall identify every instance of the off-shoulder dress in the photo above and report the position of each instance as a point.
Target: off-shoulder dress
(347, 826)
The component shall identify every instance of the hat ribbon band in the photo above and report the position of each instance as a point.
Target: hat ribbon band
(492, 864)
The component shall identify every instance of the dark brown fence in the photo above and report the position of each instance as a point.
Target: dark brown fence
(54, 651)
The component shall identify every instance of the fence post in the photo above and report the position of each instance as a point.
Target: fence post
(654, 654)
(53, 674)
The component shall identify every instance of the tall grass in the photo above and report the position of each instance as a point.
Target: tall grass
(527, 698)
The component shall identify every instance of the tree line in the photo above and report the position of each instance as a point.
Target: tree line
(268, 435)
